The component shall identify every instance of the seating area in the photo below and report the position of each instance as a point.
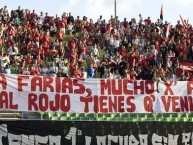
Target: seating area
(119, 117)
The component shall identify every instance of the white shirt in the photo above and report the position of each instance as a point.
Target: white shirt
(107, 55)
(116, 76)
(44, 71)
(95, 51)
(26, 72)
(97, 62)
(141, 47)
(53, 28)
(10, 51)
(85, 75)
(117, 43)
(141, 20)
(8, 71)
(111, 40)
(134, 26)
(53, 70)
(155, 52)
(70, 27)
(41, 19)
(16, 49)
(61, 64)
(65, 70)
(99, 21)
(137, 41)
(122, 30)
(4, 61)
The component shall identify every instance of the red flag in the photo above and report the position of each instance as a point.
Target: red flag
(161, 13)
(186, 66)
(182, 20)
(168, 31)
(109, 29)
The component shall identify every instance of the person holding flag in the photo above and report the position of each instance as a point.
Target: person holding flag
(109, 28)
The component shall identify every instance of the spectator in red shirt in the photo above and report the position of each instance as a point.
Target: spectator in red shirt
(34, 71)
(60, 35)
(44, 39)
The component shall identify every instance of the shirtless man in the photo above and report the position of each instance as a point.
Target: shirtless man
(158, 75)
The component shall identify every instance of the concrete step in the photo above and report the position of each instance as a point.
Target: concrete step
(30, 115)
(10, 115)
(20, 115)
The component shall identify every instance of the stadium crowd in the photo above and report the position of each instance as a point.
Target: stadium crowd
(40, 44)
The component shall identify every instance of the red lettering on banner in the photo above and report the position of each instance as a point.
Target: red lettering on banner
(3, 81)
(103, 104)
(129, 103)
(190, 102)
(65, 103)
(6, 99)
(86, 100)
(96, 104)
(138, 87)
(19, 82)
(166, 102)
(32, 98)
(189, 87)
(120, 87)
(36, 82)
(178, 103)
(112, 104)
(67, 85)
(125, 87)
(43, 102)
(58, 85)
(148, 103)
(11, 105)
(47, 83)
(81, 88)
(175, 103)
(168, 88)
(56, 102)
(184, 103)
(149, 87)
(117, 87)
(171, 100)
(109, 104)
(105, 85)
(121, 104)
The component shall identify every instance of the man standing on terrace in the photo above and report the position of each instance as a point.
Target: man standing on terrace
(158, 75)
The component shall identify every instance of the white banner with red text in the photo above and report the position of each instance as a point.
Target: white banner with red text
(57, 94)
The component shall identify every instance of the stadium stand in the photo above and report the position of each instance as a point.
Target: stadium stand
(39, 44)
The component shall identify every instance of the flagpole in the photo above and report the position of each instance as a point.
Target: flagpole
(115, 9)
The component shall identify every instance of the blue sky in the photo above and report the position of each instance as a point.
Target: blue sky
(94, 8)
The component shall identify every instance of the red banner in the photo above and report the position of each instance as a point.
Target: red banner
(187, 66)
